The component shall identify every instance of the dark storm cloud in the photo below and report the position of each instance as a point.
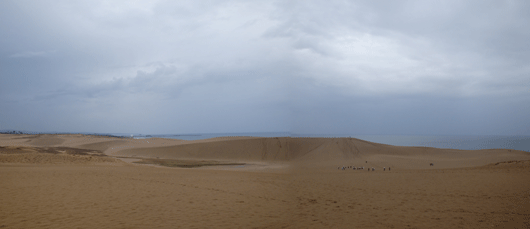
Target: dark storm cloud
(359, 67)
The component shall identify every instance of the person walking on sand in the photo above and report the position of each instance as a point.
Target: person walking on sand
(384, 169)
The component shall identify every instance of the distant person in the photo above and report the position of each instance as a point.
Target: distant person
(373, 169)
(384, 169)
(388, 168)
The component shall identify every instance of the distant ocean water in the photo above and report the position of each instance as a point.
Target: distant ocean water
(450, 142)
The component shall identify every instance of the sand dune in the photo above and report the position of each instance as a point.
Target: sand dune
(312, 152)
(316, 152)
(73, 181)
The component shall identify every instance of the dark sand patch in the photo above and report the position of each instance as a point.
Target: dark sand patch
(185, 163)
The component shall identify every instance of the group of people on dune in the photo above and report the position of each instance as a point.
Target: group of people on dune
(360, 168)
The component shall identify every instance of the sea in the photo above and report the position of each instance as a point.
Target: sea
(464, 142)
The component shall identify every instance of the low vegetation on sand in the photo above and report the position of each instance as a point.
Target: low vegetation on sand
(51, 155)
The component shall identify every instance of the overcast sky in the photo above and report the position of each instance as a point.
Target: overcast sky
(319, 67)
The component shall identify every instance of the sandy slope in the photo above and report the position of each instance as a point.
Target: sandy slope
(327, 152)
(293, 183)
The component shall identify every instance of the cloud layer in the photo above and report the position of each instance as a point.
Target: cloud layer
(363, 67)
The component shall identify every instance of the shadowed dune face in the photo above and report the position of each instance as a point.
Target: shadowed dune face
(256, 149)
(45, 140)
(317, 152)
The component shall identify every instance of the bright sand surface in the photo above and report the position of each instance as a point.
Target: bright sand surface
(80, 181)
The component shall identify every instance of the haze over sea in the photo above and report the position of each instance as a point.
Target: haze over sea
(464, 142)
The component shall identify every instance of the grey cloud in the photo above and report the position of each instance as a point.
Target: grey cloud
(460, 40)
